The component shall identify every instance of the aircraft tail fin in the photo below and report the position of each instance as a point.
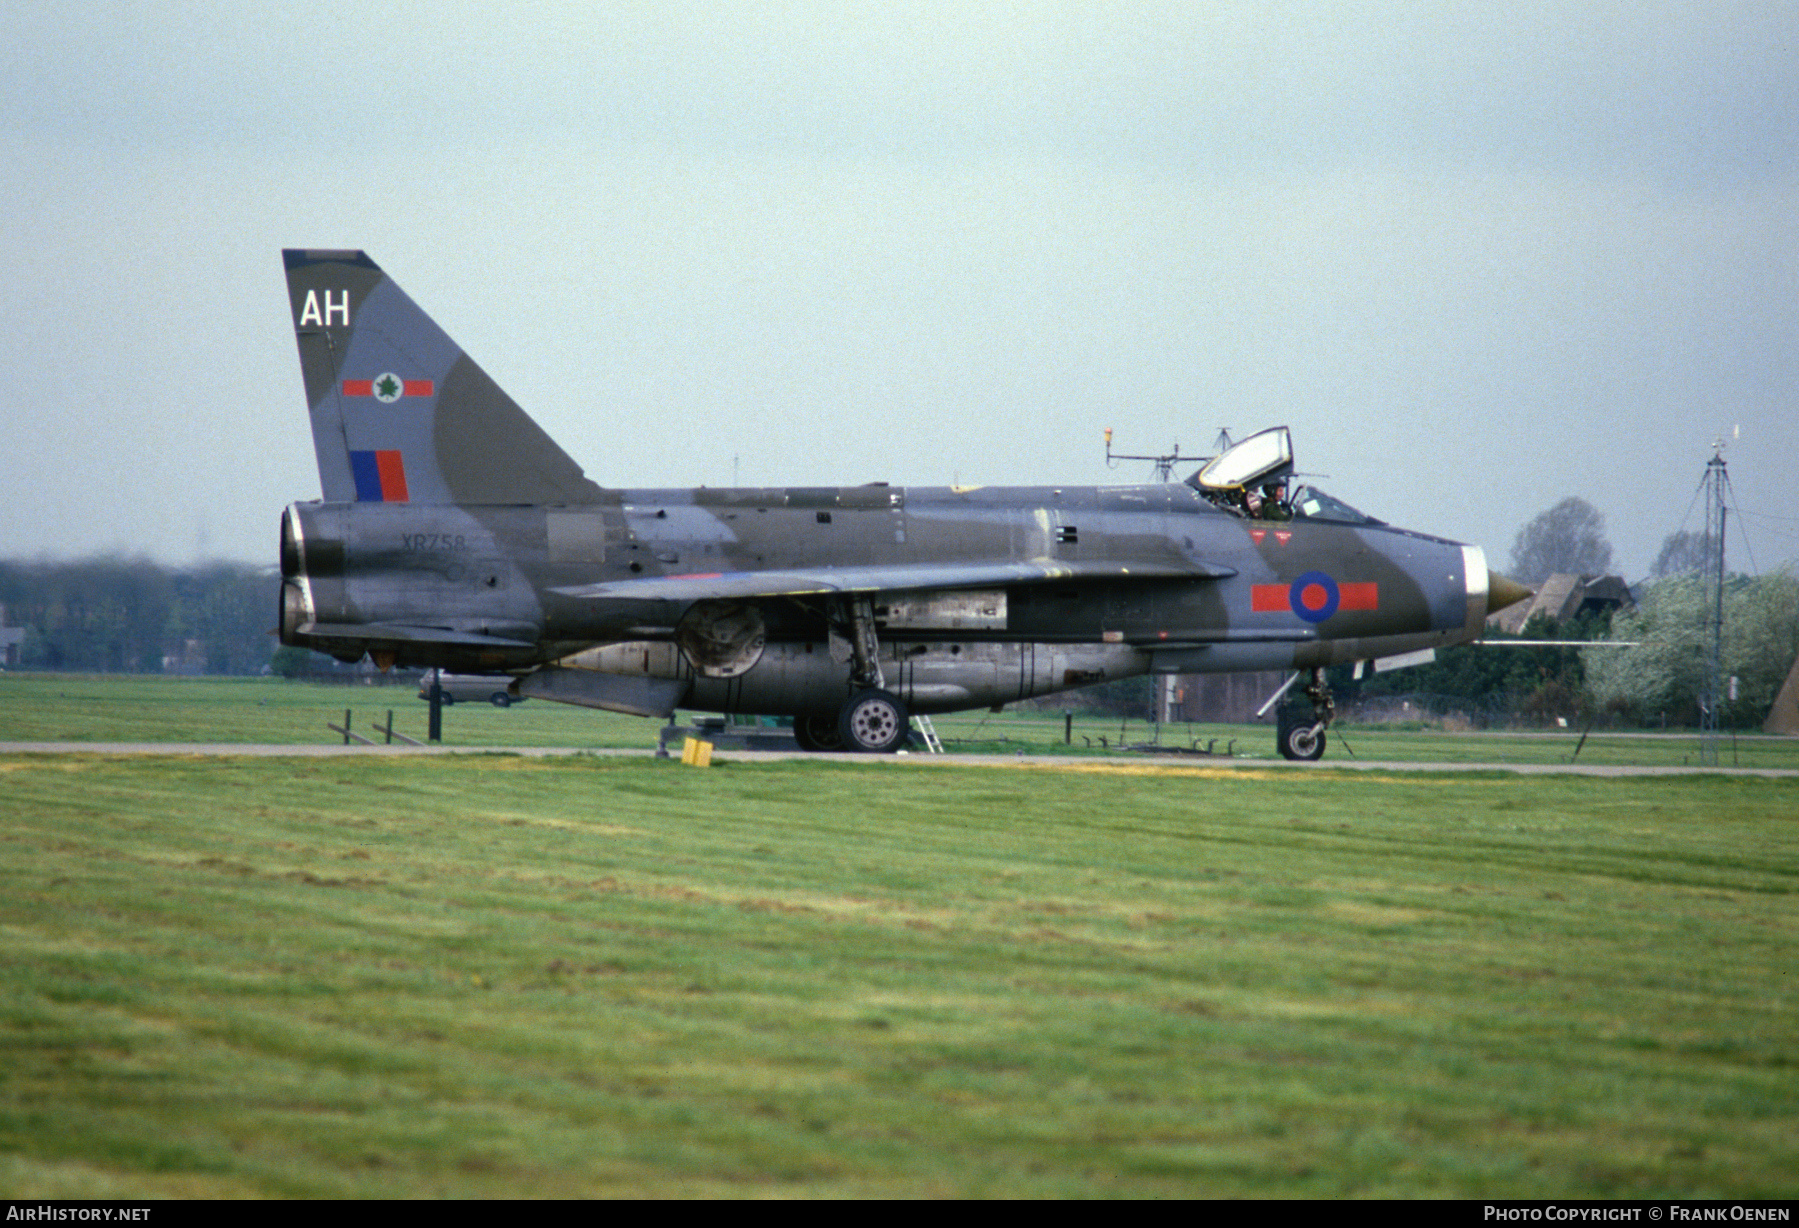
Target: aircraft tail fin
(399, 412)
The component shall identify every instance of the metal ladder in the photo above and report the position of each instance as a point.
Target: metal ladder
(932, 742)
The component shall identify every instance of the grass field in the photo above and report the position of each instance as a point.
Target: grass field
(127, 708)
(493, 975)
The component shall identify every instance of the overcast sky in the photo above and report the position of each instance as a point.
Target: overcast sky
(1477, 256)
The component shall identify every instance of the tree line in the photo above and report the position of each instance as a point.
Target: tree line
(135, 616)
(1659, 681)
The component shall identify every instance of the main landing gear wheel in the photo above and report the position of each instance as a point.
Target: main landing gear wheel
(817, 733)
(873, 722)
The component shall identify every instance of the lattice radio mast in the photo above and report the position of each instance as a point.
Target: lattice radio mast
(1711, 695)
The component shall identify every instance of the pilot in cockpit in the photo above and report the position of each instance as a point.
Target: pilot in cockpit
(1274, 502)
(1266, 504)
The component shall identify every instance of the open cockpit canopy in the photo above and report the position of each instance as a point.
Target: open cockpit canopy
(1265, 459)
(1266, 456)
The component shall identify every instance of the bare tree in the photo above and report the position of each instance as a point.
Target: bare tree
(1682, 552)
(1569, 537)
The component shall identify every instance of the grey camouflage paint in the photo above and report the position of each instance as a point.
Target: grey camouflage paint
(504, 557)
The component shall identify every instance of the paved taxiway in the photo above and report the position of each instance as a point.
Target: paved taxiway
(1172, 762)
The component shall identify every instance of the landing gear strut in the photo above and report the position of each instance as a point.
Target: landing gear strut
(873, 720)
(1304, 739)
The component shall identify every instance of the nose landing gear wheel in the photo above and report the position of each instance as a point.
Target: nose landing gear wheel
(1300, 734)
(1303, 742)
(873, 722)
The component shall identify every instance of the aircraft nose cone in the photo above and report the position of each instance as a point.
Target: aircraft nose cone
(1502, 592)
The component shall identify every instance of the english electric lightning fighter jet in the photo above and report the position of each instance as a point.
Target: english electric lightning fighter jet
(454, 533)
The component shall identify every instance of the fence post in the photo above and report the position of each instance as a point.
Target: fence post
(434, 725)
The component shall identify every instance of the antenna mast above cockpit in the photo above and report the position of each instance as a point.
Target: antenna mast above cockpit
(1166, 462)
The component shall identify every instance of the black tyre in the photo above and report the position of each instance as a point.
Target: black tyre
(873, 723)
(1303, 741)
(448, 699)
(817, 733)
(500, 699)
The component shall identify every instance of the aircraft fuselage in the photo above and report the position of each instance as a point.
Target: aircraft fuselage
(495, 583)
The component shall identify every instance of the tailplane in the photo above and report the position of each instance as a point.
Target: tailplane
(399, 413)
